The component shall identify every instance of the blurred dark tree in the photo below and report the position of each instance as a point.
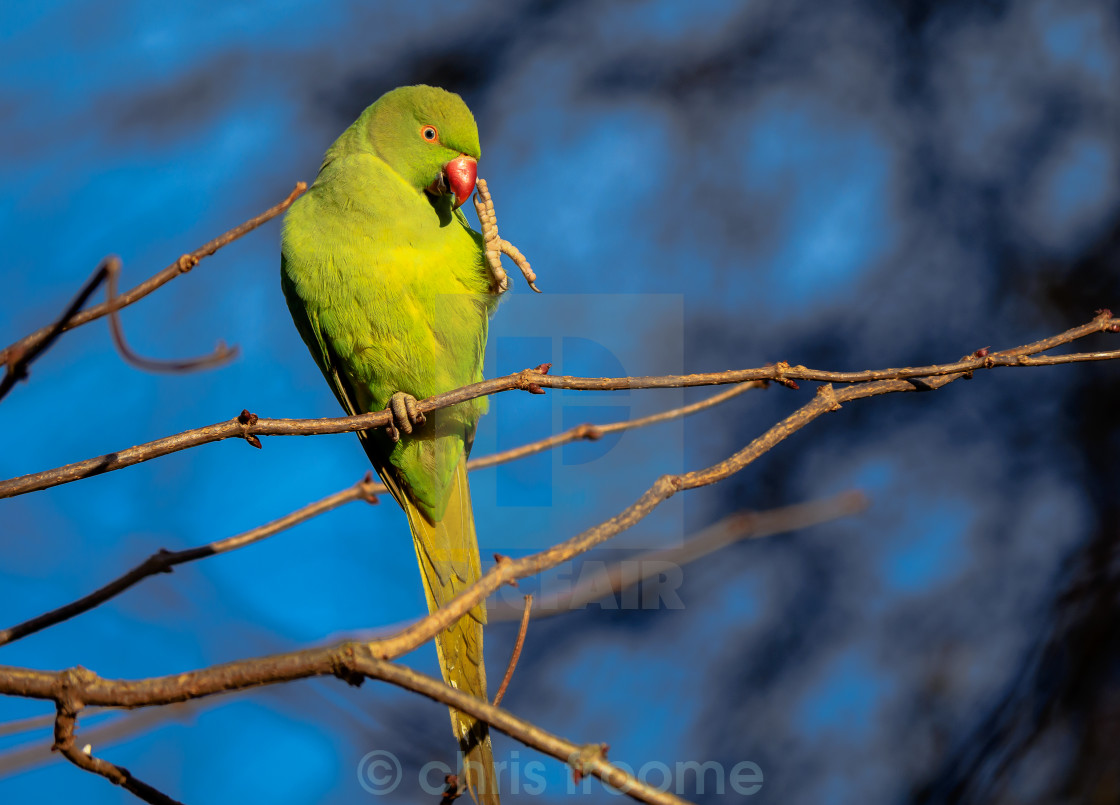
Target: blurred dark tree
(977, 106)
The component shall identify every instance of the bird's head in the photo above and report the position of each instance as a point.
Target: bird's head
(429, 137)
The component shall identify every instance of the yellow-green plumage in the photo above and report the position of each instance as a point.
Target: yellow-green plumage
(388, 288)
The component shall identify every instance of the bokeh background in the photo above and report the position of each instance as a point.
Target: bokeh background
(700, 186)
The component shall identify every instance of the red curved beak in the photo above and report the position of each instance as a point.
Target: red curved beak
(460, 175)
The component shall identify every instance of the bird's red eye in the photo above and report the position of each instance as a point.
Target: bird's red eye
(429, 133)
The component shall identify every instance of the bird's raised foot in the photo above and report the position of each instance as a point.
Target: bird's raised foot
(494, 247)
(405, 413)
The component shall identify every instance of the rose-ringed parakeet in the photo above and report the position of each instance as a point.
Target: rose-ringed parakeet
(388, 286)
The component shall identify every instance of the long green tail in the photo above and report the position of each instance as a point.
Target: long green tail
(449, 563)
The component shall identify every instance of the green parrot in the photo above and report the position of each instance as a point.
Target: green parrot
(389, 288)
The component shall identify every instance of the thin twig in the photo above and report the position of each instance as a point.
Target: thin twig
(589, 432)
(116, 726)
(163, 561)
(351, 662)
(588, 759)
(516, 655)
(19, 356)
(367, 489)
(249, 426)
(352, 659)
(826, 400)
(625, 573)
(64, 725)
(299, 664)
(180, 266)
(222, 354)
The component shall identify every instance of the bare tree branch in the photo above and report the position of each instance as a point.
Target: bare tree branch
(64, 725)
(351, 662)
(253, 672)
(162, 561)
(740, 526)
(826, 399)
(625, 573)
(113, 725)
(76, 689)
(19, 356)
(249, 427)
(591, 433)
(222, 354)
(184, 264)
(516, 655)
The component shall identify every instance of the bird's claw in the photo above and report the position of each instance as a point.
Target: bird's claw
(499, 278)
(405, 413)
(494, 247)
